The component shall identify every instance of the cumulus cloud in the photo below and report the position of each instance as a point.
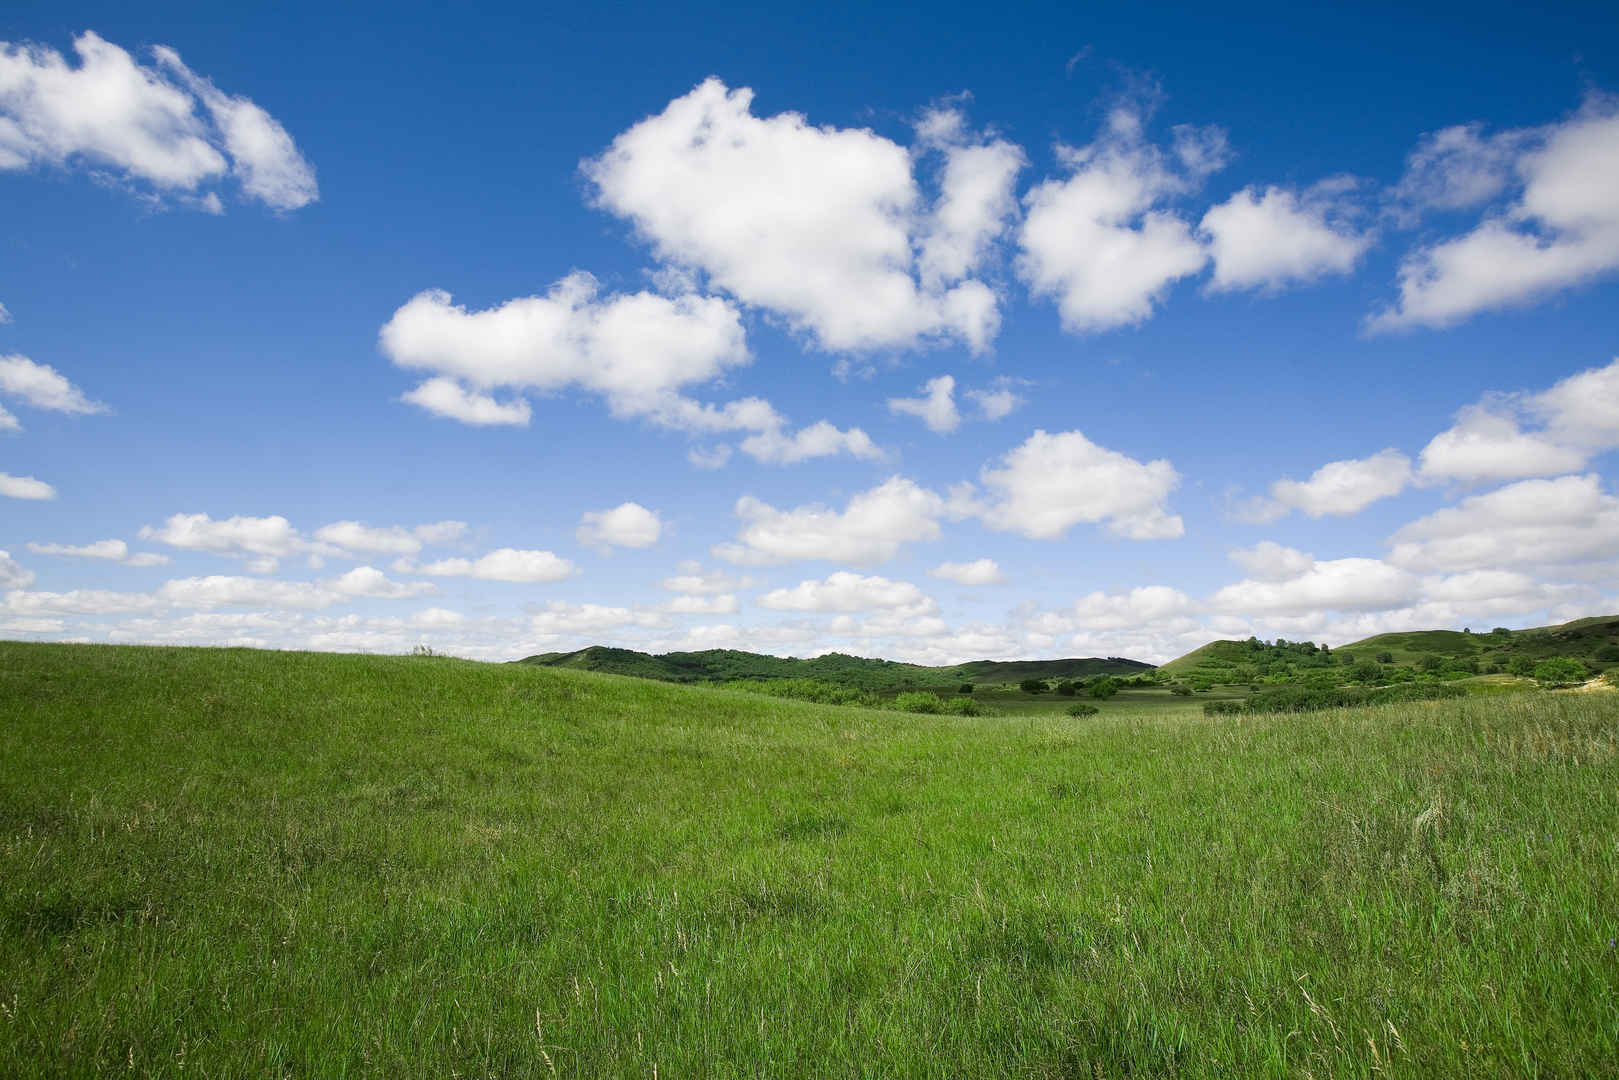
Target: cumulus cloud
(5, 315)
(1053, 482)
(269, 538)
(1561, 231)
(141, 123)
(390, 539)
(847, 592)
(977, 572)
(1534, 523)
(25, 487)
(1281, 236)
(936, 407)
(1270, 561)
(1099, 241)
(12, 574)
(628, 525)
(693, 581)
(723, 604)
(448, 398)
(870, 529)
(43, 387)
(997, 402)
(1332, 585)
(564, 619)
(1337, 489)
(263, 156)
(819, 225)
(105, 550)
(1458, 168)
(1577, 418)
(505, 564)
(774, 446)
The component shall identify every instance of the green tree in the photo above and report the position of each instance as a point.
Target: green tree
(1104, 688)
(966, 688)
(1521, 665)
(1032, 686)
(1385, 658)
(1560, 669)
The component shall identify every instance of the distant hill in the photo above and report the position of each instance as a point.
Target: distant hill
(1594, 640)
(724, 665)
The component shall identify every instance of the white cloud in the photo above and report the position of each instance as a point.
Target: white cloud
(1270, 561)
(563, 619)
(264, 157)
(1099, 241)
(1333, 585)
(448, 398)
(25, 487)
(821, 439)
(8, 422)
(997, 403)
(505, 564)
(388, 540)
(820, 225)
(870, 529)
(693, 581)
(369, 581)
(976, 200)
(106, 550)
(271, 538)
(1561, 231)
(111, 113)
(936, 407)
(636, 350)
(1577, 418)
(1142, 606)
(1534, 523)
(724, 604)
(1338, 488)
(5, 315)
(43, 387)
(222, 590)
(1052, 482)
(1459, 167)
(12, 574)
(1281, 237)
(847, 592)
(76, 602)
(628, 525)
(977, 572)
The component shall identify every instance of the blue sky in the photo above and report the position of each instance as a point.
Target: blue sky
(922, 336)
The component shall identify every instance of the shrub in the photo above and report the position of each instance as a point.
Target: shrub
(1560, 669)
(961, 706)
(1032, 686)
(1521, 665)
(1307, 699)
(812, 690)
(1103, 688)
(1066, 689)
(966, 688)
(1385, 658)
(1181, 691)
(920, 701)
(1081, 708)
(1221, 708)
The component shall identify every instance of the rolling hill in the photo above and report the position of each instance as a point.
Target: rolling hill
(1593, 640)
(724, 665)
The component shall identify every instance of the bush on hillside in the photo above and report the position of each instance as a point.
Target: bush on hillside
(1103, 688)
(1181, 691)
(1304, 699)
(922, 701)
(1082, 709)
(966, 688)
(1032, 686)
(1560, 669)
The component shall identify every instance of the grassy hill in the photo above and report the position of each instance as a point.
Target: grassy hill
(725, 665)
(1594, 641)
(222, 862)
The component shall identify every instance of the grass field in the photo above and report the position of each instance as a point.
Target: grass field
(226, 863)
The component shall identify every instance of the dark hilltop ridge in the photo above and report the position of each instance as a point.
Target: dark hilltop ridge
(1485, 651)
(728, 665)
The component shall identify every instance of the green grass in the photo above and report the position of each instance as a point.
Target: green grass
(226, 863)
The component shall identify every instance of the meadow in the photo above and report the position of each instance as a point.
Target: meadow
(229, 863)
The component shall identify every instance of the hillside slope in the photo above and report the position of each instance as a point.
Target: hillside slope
(1592, 640)
(724, 665)
(296, 864)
